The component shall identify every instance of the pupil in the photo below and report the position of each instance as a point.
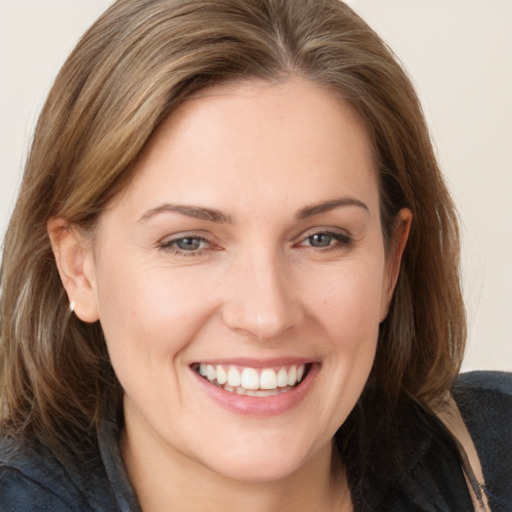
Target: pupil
(188, 244)
(320, 240)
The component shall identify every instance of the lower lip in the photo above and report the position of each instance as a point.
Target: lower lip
(260, 406)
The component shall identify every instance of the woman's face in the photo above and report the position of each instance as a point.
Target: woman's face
(240, 280)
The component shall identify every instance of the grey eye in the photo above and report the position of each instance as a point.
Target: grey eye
(189, 244)
(320, 240)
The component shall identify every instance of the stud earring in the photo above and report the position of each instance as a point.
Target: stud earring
(72, 306)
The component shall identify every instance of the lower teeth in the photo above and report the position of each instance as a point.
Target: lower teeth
(255, 392)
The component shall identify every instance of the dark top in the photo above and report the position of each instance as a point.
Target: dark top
(415, 468)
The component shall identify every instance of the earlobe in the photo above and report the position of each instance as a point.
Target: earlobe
(74, 259)
(397, 245)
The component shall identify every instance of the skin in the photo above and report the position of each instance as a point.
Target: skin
(259, 287)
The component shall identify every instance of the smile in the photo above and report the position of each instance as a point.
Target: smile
(251, 381)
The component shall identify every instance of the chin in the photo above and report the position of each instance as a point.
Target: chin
(264, 460)
(258, 469)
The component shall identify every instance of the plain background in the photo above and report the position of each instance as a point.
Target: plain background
(459, 55)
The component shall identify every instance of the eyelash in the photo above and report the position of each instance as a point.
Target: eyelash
(343, 241)
(171, 245)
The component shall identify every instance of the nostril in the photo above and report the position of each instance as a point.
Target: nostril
(260, 300)
(261, 326)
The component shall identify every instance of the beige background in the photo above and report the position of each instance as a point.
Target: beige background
(458, 53)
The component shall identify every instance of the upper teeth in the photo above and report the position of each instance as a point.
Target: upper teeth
(252, 379)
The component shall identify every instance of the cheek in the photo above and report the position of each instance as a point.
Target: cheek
(148, 314)
(348, 301)
(345, 307)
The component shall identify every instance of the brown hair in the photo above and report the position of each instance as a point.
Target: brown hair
(138, 62)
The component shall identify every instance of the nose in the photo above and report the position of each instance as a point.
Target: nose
(262, 301)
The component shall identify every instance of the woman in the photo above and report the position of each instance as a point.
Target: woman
(231, 278)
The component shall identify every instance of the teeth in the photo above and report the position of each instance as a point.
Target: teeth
(292, 376)
(249, 382)
(282, 378)
(211, 374)
(233, 377)
(270, 392)
(268, 379)
(250, 379)
(222, 376)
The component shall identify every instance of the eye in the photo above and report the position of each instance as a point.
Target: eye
(320, 240)
(185, 245)
(327, 240)
(190, 243)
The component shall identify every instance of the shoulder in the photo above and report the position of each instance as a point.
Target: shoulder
(487, 382)
(411, 464)
(484, 399)
(34, 478)
(19, 492)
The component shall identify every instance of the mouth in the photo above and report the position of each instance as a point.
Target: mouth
(255, 382)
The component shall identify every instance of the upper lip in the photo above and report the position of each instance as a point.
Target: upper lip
(255, 363)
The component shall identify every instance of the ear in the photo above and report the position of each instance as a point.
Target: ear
(397, 244)
(75, 262)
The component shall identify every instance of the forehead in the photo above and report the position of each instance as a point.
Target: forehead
(264, 141)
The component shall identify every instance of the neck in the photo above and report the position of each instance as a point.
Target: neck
(161, 480)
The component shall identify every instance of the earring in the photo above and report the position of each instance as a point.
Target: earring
(72, 306)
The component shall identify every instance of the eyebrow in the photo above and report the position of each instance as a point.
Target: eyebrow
(213, 215)
(326, 206)
(196, 212)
